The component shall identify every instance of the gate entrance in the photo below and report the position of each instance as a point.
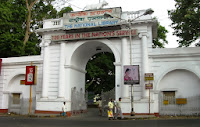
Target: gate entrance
(91, 55)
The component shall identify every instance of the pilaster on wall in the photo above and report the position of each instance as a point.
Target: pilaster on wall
(145, 60)
(117, 80)
(61, 88)
(45, 45)
(125, 61)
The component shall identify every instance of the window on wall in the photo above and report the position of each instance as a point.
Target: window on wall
(169, 97)
(16, 98)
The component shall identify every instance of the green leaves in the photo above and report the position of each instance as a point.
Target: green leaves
(160, 41)
(11, 32)
(100, 73)
(64, 10)
(13, 17)
(186, 21)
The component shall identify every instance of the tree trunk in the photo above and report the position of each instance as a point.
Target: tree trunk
(28, 20)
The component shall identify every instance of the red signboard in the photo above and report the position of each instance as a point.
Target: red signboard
(0, 65)
(149, 86)
(30, 75)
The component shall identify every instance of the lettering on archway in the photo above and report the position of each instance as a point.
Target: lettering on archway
(92, 35)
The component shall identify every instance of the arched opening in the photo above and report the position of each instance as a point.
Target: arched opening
(19, 93)
(176, 85)
(91, 72)
(100, 76)
(184, 82)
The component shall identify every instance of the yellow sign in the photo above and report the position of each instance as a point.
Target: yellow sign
(22, 82)
(149, 76)
(165, 102)
(180, 101)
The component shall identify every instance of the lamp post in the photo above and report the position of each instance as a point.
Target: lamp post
(147, 12)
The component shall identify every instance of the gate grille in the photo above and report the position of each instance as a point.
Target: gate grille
(192, 107)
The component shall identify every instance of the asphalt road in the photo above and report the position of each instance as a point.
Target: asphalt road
(63, 122)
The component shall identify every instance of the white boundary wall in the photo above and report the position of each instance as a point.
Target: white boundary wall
(61, 67)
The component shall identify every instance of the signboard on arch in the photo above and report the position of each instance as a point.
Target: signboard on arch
(95, 34)
(92, 18)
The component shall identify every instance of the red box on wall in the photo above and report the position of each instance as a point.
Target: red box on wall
(0, 65)
(30, 75)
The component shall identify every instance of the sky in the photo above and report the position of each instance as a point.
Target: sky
(160, 8)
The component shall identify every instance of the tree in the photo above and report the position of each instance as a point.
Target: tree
(12, 14)
(160, 40)
(64, 10)
(13, 26)
(186, 21)
(100, 73)
(30, 4)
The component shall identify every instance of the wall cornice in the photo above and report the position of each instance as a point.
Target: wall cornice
(175, 52)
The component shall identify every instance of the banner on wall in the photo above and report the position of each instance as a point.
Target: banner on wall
(131, 75)
(94, 34)
(92, 18)
(0, 65)
(31, 74)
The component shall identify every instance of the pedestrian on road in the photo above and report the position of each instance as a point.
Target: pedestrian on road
(99, 102)
(119, 109)
(111, 108)
(64, 109)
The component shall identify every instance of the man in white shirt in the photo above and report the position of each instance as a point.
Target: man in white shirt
(64, 109)
(119, 111)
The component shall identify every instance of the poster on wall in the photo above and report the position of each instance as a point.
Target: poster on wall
(131, 75)
(30, 75)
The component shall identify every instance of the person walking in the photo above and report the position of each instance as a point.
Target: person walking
(110, 111)
(64, 109)
(119, 110)
(99, 102)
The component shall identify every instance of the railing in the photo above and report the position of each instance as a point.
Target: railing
(78, 101)
(52, 23)
(106, 96)
(192, 107)
(23, 107)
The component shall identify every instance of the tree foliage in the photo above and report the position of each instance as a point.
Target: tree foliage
(186, 21)
(13, 24)
(12, 15)
(64, 10)
(160, 41)
(100, 73)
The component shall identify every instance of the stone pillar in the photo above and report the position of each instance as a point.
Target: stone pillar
(118, 85)
(61, 87)
(145, 59)
(125, 61)
(45, 46)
